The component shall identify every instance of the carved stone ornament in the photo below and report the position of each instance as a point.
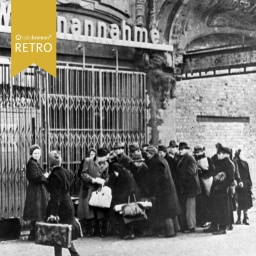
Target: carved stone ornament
(81, 3)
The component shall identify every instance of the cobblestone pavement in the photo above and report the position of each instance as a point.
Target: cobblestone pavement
(239, 242)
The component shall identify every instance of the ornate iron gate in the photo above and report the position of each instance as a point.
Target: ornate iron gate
(78, 110)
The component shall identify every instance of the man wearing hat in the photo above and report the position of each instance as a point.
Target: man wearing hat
(221, 198)
(94, 174)
(205, 172)
(134, 148)
(122, 158)
(166, 201)
(188, 188)
(214, 158)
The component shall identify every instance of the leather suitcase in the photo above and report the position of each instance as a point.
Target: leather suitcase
(53, 234)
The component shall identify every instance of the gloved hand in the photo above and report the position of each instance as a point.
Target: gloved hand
(53, 219)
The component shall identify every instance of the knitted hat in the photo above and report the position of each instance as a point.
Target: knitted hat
(137, 157)
(199, 148)
(102, 152)
(162, 148)
(134, 146)
(152, 150)
(32, 148)
(55, 158)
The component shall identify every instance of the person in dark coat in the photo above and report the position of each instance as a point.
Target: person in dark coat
(188, 188)
(166, 200)
(37, 195)
(94, 175)
(221, 192)
(244, 194)
(214, 158)
(205, 173)
(172, 158)
(60, 207)
(123, 187)
(142, 175)
(122, 158)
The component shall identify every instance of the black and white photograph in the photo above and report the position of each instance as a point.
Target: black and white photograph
(143, 142)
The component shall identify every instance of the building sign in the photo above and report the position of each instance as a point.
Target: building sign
(86, 30)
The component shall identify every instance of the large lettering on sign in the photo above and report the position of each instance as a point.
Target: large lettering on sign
(90, 31)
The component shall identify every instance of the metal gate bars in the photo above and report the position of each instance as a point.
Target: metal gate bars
(77, 110)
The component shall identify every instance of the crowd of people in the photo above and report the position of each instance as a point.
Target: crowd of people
(185, 190)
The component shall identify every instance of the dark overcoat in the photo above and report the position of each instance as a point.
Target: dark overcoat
(60, 203)
(220, 195)
(89, 171)
(37, 195)
(166, 200)
(124, 160)
(122, 187)
(188, 179)
(244, 194)
(172, 161)
(143, 177)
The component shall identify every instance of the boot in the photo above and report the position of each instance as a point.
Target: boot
(91, 230)
(57, 251)
(245, 218)
(238, 217)
(73, 251)
(101, 229)
(130, 233)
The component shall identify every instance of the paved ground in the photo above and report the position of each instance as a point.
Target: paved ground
(239, 242)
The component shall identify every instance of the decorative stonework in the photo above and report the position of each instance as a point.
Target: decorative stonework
(161, 86)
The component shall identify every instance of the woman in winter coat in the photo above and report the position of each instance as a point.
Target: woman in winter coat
(94, 174)
(60, 207)
(36, 195)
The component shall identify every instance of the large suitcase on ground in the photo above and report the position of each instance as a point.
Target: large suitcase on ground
(53, 234)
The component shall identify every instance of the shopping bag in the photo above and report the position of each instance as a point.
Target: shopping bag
(133, 210)
(207, 184)
(101, 198)
(53, 234)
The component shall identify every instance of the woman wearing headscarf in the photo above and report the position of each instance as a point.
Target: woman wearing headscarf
(36, 194)
(60, 207)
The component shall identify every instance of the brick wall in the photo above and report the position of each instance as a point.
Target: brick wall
(229, 96)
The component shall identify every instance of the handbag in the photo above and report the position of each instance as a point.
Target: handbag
(53, 234)
(133, 210)
(101, 198)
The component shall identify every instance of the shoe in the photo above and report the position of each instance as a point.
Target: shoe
(219, 232)
(190, 230)
(101, 234)
(129, 237)
(238, 222)
(209, 230)
(245, 222)
(230, 227)
(206, 224)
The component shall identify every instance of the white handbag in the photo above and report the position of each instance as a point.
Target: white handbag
(101, 198)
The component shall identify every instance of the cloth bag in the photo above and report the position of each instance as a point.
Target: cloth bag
(101, 198)
(53, 234)
(133, 210)
(207, 185)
